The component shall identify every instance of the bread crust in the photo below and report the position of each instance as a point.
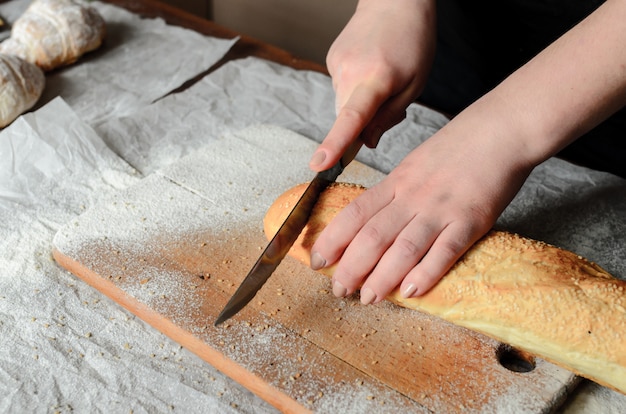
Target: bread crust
(21, 85)
(531, 295)
(54, 33)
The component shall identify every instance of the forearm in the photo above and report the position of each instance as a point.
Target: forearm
(563, 92)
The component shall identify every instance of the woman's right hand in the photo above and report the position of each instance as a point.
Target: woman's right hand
(379, 65)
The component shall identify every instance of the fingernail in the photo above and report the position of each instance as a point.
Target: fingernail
(317, 261)
(409, 291)
(339, 290)
(367, 296)
(317, 158)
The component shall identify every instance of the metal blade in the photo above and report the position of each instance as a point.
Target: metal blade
(280, 244)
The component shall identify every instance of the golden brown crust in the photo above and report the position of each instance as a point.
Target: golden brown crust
(329, 204)
(53, 33)
(21, 85)
(531, 295)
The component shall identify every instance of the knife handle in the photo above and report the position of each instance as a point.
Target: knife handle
(351, 152)
(331, 174)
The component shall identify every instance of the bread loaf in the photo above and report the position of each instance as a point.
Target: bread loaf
(528, 294)
(53, 33)
(21, 85)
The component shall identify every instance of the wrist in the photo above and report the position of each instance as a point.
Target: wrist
(496, 136)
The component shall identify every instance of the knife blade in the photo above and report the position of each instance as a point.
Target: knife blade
(285, 237)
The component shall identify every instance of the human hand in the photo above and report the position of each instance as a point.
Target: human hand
(412, 227)
(378, 65)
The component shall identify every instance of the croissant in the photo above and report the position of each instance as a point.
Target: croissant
(21, 85)
(53, 33)
(544, 300)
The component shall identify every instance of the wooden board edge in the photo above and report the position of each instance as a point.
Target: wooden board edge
(210, 355)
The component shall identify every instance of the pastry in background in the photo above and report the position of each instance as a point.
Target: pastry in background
(53, 33)
(21, 85)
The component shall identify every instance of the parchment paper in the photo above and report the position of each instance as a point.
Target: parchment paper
(242, 93)
(64, 347)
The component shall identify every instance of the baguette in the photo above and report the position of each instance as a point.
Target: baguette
(533, 296)
(54, 33)
(21, 85)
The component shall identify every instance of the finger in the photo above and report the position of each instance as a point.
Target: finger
(339, 233)
(369, 245)
(352, 118)
(372, 133)
(403, 255)
(391, 113)
(449, 246)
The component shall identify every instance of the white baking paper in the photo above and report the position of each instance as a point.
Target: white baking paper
(243, 93)
(65, 347)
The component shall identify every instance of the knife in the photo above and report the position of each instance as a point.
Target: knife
(285, 237)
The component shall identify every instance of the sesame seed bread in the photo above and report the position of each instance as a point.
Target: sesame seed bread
(533, 296)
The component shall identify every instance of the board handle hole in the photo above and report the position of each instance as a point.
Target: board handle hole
(514, 359)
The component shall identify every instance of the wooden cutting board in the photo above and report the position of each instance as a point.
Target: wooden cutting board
(173, 249)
